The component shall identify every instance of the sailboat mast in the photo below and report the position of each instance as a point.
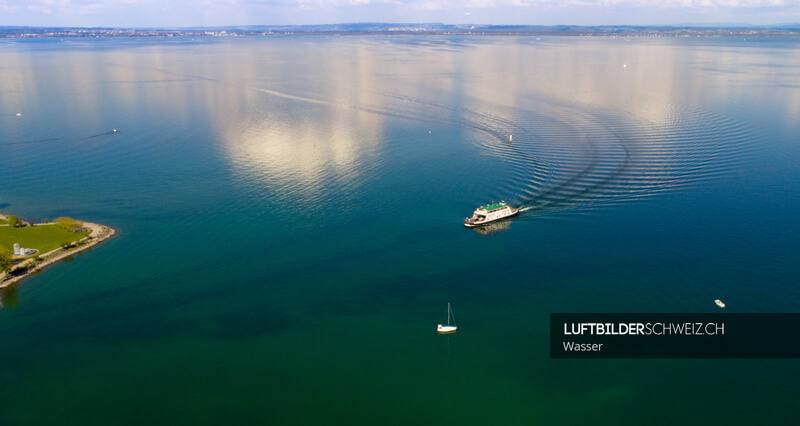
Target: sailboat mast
(448, 313)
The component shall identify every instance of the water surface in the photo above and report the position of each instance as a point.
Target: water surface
(290, 226)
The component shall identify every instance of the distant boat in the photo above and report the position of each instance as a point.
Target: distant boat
(447, 328)
(719, 303)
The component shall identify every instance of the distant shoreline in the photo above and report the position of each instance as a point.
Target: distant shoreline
(98, 234)
(362, 29)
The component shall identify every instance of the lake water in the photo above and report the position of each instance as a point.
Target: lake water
(289, 214)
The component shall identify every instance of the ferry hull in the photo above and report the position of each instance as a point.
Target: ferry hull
(469, 224)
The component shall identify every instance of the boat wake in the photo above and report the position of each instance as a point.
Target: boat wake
(572, 157)
(618, 158)
(98, 135)
(568, 157)
(46, 140)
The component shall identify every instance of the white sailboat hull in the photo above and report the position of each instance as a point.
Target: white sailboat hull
(444, 329)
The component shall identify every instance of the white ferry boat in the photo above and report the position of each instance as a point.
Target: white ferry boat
(490, 213)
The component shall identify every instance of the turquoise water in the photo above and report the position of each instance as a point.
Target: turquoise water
(289, 214)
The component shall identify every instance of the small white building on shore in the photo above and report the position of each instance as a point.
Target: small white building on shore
(21, 251)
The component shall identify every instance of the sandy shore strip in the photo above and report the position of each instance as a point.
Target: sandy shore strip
(98, 234)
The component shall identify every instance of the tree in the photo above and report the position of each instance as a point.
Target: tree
(13, 221)
(5, 259)
(69, 224)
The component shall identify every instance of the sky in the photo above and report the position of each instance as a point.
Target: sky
(176, 13)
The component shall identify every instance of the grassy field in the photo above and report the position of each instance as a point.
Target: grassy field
(3, 221)
(43, 238)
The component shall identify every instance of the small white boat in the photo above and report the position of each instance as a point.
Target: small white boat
(719, 303)
(447, 328)
(490, 213)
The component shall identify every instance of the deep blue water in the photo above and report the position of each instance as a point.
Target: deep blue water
(289, 214)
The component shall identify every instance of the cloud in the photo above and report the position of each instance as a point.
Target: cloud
(70, 6)
(88, 6)
(487, 4)
(236, 12)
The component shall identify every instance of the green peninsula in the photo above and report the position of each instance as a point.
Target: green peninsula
(44, 238)
(28, 247)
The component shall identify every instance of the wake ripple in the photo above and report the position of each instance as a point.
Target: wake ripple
(620, 158)
(576, 156)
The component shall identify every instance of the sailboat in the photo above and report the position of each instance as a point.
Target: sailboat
(447, 328)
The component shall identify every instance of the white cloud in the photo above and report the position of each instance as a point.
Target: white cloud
(84, 6)
(70, 6)
(487, 4)
(235, 12)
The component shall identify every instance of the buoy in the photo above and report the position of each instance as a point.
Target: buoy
(510, 138)
(719, 303)
(19, 114)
